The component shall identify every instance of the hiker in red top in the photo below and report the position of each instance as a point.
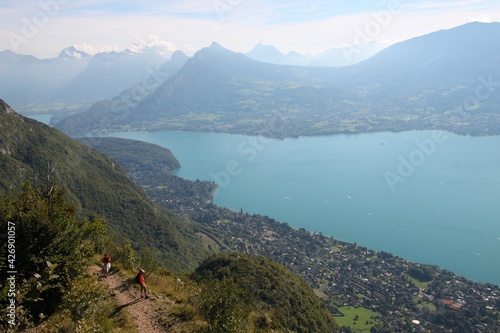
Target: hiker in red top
(107, 264)
(142, 282)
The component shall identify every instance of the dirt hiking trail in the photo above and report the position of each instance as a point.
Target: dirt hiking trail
(128, 299)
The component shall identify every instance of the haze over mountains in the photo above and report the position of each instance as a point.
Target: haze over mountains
(77, 79)
(444, 80)
(74, 78)
(335, 57)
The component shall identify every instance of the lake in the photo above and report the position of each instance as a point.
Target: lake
(427, 196)
(43, 118)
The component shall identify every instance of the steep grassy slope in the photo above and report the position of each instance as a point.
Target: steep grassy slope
(96, 184)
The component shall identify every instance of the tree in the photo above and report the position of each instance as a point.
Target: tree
(52, 248)
(221, 304)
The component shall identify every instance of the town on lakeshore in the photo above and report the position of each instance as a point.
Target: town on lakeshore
(392, 294)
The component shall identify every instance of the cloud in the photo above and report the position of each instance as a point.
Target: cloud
(167, 25)
(163, 47)
(152, 42)
(481, 18)
(93, 49)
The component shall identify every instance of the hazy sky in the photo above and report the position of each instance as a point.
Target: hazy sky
(44, 27)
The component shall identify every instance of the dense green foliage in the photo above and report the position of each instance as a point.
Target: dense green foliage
(423, 273)
(50, 253)
(222, 305)
(270, 287)
(152, 157)
(96, 185)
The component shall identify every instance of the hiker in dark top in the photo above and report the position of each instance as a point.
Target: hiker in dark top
(107, 264)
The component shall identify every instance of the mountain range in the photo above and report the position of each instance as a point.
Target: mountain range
(443, 80)
(335, 57)
(72, 81)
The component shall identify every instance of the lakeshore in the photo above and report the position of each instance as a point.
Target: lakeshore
(443, 213)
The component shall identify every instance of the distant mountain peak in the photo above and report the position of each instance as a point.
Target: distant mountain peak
(178, 55)
(262, 50)
(268, 53)
(215, 49)
(218, 48)
(10, 56)
(262, 46)
(215, 45)
(8, 52)
(72, 53)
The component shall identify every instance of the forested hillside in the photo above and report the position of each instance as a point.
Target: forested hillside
(57, 286)
(154, 158)
(96, 185)
(61, 197)
(283, 299)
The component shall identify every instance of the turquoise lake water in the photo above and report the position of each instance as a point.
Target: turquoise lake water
(427, 196)
(43, 118)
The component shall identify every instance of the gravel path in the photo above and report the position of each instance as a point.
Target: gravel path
(128, 299)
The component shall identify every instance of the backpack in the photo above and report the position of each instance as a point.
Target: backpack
(138, 279)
